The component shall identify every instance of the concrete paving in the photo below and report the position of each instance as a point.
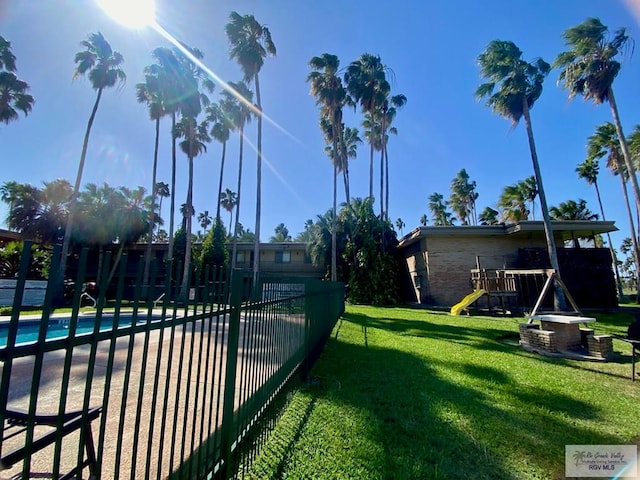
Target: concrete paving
(178, 382)
(190, 371)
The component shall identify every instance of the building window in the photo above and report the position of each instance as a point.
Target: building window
(241, 257)
(283, 257)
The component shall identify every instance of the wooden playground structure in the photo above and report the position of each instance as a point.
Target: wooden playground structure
(508, 290)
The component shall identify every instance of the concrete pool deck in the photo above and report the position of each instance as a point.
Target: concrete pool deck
(173, 384)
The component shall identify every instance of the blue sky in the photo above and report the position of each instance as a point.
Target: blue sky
(431, 46)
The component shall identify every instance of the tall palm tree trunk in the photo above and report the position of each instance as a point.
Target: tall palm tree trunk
(386, 180)
(559, 301)
(611, 249)
(224, 153)
(632, 228)
(382, 142)
(74, 196)
(172, 211)
(625, 148)
(344, 164)
(234, 248)
(186, 277)
(334, 246)
(381, 183)
(147, 260)
(345, 179)
(256, 243)
(159, 210)
(371, 173)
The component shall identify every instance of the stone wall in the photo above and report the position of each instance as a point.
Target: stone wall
(533, 338)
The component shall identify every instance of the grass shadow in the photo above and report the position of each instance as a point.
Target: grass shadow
(395, 402)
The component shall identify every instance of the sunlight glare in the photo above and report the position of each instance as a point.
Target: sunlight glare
(131, 13)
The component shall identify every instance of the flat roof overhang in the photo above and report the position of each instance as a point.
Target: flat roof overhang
(568, 229)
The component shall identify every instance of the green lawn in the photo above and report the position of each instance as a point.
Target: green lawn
(403, 393)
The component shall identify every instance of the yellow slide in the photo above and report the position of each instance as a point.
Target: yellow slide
(466, 301)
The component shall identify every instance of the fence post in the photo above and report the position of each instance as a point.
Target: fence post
(230, 371)
(309, 324)
(25, 261)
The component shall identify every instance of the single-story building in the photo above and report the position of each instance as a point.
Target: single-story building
(440, 258)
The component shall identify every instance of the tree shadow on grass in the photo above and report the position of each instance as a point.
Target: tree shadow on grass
(422, 424)
(498, 340)
(425, 328)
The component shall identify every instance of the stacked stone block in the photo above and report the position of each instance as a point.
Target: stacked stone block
(533, 337)
(585, 333)
(600, 346)
(567, 337)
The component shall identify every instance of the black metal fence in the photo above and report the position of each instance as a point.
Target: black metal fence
(154, 388)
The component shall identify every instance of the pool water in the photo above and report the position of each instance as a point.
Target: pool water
(28, 330)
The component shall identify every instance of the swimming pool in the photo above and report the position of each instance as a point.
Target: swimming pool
(58, 327)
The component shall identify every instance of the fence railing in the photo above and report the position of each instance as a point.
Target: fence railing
(136, 388)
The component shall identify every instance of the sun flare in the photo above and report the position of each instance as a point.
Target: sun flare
(131, 13)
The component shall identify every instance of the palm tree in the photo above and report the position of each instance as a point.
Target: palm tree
(98, 210)
(633, 140)
(572, 210)
(228, 201)
(400, 224)
(589, 68)
(240, 114)
(102, 65)
(308, 234)
(13, 91)
(463, 198)
(437, 205)
(9, 191)
(513, 202)
(377, 127)
(326, 87)
(195, 138)
(183, 93)
(281, 234)
(205, 220)
(162, 191)
(529, 189)
(489, 216)
(519, 85)
(221, 126)
(389, 110)
(149, 93)
(589, 170)
(132, 222)
(367, 84)
(13, 97)
(168, 70)
(7, 58)
(37, 213)
(350, 142)
(424, 220)
(604, 143)
(180, 82)
(321, 238)
(250, 45)
(186, 211)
